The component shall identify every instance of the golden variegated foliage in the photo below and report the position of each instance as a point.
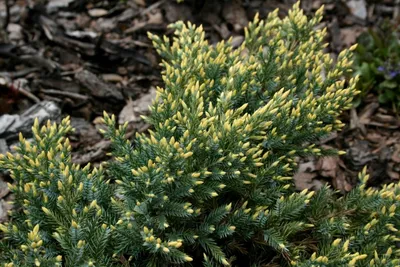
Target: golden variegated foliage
(211, 183)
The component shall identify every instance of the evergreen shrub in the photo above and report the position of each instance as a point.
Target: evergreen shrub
(211, 184)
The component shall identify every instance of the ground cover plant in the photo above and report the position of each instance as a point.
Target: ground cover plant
(211, 183)
(378, 62)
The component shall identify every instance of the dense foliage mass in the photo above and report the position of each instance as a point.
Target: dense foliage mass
(211, 184)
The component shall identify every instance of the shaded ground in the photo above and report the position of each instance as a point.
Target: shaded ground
(81, 57)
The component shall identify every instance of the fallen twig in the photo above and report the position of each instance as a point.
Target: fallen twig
(63, 93)
(151, 7)
(28, 95)
(18, 74)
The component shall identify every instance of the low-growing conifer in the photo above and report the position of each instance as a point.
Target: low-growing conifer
(211, 183)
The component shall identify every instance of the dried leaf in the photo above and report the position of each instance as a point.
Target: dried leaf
(328, 167)
(306, 177)
(133, 109)
(155, 18)
(3, 188)
(4, 208)
(358, 8)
